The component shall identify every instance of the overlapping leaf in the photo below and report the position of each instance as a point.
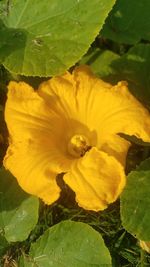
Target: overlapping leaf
(100, 61)
(18, 210)
(133, 66)
(135, 202)
(66, 244)
(45, 38)
(129, 22)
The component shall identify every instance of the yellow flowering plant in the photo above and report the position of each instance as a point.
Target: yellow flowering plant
(74, 133)
(71, 125)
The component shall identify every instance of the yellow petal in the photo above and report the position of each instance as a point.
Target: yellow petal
(117, 147)
(28, 116)
(59, 93)
(103, 108)
(63, 95)
(36, 168)
(37, 151)
(73, 95)
(97, 179)
(111, 109)
(125, 114)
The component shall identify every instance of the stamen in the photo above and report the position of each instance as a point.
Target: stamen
(78, 145)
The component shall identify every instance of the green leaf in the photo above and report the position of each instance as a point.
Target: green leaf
(134, 67)
(45, 38)
(3, 245)
(100, 62)
(25, 261)
(18, 210)
(134, 139)
(135, 202)
(69, 243)
(129, 22)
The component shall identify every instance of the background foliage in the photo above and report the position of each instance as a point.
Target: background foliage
(41, 39)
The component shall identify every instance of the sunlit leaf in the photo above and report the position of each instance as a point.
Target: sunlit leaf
(45, 38)
(135, 202)
(69, 243)
(18, 210)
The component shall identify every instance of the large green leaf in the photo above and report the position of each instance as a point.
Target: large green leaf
(129, 22)
(18, 210)
(69, 244)
(45, 38)
(135, 202)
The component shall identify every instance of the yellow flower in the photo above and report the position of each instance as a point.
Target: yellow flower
(70, 125)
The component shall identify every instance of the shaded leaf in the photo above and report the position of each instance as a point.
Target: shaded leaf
(134, 139)
(100, 62)
(134, 67)
(18, 210)
(69, 243)
(128, 22)
(45, 38)
(3, 244)
(135, 202)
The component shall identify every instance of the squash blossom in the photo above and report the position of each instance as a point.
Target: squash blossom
(70, 125)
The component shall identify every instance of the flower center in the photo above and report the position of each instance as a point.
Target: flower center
(78, 145)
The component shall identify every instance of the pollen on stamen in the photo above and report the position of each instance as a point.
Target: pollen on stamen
(78, 145)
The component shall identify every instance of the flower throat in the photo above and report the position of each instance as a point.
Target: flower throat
(78, 145)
